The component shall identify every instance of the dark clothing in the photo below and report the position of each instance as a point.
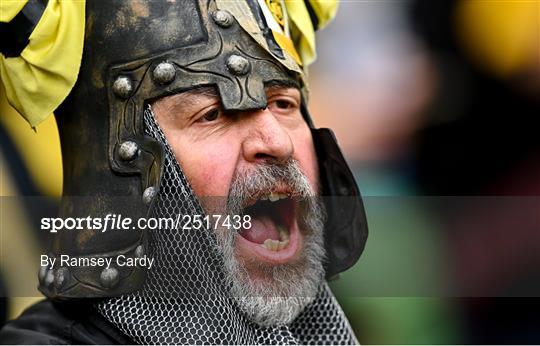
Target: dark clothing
(61, 323)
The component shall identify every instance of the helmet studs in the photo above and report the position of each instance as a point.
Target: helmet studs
(164, 73)
(49, 278)
(128, 150)
(61, 277)
(139, 251)
(122, 87)
(42, 273)
(238, 65)
(222, 18)
(148, 195)
(109, 277)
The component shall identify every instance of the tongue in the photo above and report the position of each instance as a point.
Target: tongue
(262, 228)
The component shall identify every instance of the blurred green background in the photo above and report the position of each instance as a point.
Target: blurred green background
(436, 105)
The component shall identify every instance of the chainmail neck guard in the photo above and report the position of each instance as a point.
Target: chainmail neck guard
(183, 299)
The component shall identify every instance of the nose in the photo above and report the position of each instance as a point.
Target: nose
(266, 138)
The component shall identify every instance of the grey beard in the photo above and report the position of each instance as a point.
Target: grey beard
(288, 288)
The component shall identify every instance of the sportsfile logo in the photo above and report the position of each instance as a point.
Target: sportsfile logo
(119, 223)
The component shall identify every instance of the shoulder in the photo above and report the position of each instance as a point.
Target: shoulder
(61, 323)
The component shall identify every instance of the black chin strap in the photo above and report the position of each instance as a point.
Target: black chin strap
(346, 229)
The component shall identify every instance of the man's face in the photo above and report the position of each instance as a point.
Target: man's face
(262, 163)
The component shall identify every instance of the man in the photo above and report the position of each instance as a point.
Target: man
(195, 111)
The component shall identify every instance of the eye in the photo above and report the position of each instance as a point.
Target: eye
(211, 115)
(283, 104)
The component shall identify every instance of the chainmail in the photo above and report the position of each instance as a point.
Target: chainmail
(184, 299)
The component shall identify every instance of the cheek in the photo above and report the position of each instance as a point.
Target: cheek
(208, 170)
(304, 152)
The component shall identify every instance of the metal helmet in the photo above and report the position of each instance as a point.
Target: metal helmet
(138, 51)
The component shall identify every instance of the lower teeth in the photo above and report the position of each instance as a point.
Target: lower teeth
(275, 245)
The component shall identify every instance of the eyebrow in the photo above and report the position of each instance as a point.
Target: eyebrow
(185, 98)
(278, 84)
(206, 91)
(212, 91)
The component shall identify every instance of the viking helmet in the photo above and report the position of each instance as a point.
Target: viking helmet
(139, 51)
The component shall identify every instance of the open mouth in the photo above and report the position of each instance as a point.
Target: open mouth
(273, 236)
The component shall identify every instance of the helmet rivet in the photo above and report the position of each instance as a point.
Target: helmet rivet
(222, 18)
(109, 277)
(164, 73)
(139, 251)
(49, 278)
(238, 65)
(128, 150)
(148, 195)
(42, 274)
(122, 87)
(61, 277)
